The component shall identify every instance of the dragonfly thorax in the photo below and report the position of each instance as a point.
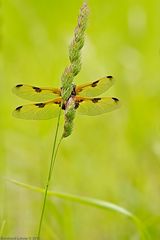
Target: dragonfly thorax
(73, 91)
(69, 102)
(70, 98)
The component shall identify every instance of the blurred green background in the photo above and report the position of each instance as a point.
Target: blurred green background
(115, 156)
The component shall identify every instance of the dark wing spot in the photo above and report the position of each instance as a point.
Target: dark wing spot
(109, 77)
(76, 105)
(40, 105)
(115, 99)
(59, 103)
(95, 100)
(18, 108)
(37, 89)
(77, 102)
(19, 85)
(80, 100)
(94, 84)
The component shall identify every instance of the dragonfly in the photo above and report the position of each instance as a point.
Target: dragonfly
(48, 100)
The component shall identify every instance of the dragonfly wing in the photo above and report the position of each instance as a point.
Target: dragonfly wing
(38, 111)
(95, 88)
(96, 106)
(35, 93)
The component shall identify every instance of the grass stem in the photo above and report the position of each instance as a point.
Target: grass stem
(51, 167)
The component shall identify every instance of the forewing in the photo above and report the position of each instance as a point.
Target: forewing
(95, 88)
(38, 111)
(35, 93)
(96, 106)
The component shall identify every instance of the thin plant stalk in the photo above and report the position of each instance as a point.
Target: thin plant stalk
(51, 167)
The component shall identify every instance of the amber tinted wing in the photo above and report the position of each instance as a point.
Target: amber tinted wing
(35, 93)
(96, 106)
(95, 88)
(39, 111)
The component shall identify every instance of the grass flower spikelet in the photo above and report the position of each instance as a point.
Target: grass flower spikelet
(73, 69)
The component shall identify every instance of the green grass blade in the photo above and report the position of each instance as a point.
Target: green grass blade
(91, 202)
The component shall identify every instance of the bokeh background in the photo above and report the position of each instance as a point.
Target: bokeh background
(113, 157)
